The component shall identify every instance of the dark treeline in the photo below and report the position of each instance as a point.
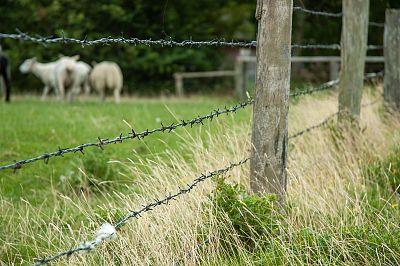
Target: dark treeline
(150, 69)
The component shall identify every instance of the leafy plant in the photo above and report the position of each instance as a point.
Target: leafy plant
(252, 216)
(93, 175)
(386, 173)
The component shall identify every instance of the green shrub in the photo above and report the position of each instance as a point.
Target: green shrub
(93, 174)
(383, 178)
(252, 216)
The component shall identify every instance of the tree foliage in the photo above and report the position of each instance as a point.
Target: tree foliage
(151, 68)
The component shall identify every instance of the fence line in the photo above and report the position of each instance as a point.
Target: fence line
(190, 253)
(326, 121)
(331, 84)
(122, 40)
(334, 46)
(108, 231)
(194, 121)
(331, 14)
(318, 13)
(110, 234)
(376, 24)
(325, 86)
(131, 135)
(160, 42)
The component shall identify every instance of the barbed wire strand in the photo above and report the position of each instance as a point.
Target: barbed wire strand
(167, 199)
(332, 83)
(326, 121)
(88, 246)
(325, 86)
(160, 42)
(122, 40)
(331, 14)
(146, 208)
(131, 135)
(315, 12)
(189, 254)
(376, 24)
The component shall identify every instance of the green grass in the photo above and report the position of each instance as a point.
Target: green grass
(32, 127)
(42, 215)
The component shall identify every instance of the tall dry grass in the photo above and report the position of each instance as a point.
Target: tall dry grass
(325, 189)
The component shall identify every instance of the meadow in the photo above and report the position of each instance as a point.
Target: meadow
(342, 200)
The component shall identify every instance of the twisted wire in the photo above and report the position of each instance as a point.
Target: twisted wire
(191, 252)
(122, 40)
(331, 14)
(198, 120)
(131, 135)
(157, 202)
(325, 86)
(315, 12)
(160, 42)
(147, 208)
(330, 84)
(326, 121)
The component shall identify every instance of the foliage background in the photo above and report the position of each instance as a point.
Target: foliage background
(149, 70)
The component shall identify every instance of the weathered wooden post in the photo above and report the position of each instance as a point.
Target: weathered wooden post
(391, 91)
(334, 70)
(240, 76)
(178, 84)
(270, 115)
(353, 53)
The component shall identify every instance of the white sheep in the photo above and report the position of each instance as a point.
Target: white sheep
(44, 71)
(61, 75)
(107, 76)
(65, 76)
(79, 76)
(82, 71)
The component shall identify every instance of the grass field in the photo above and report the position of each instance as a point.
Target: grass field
(32, 127)
(342, 195)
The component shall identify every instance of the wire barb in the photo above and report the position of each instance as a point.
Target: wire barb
(149, 42)
(191, 252)
(108, 232)
(315, 12)
(167, 129)
(331, 14)
(131, 135)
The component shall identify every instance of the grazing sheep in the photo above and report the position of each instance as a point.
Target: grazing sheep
(61, 75)
(4, 72)
(82, 71)
(79, 76)
(65, 76)
(107, 76)
(44, 71)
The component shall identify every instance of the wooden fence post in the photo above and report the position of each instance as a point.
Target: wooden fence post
(353, 53)
(178, 85)
(270, 113)
(334, 70)
(241, 75)
(391, 92)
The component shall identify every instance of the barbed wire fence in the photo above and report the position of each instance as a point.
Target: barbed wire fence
(108, 232)
(160, 42)
(102, 142)
(111, 233)
(331, 14)
(131, 135)
(112, 229)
